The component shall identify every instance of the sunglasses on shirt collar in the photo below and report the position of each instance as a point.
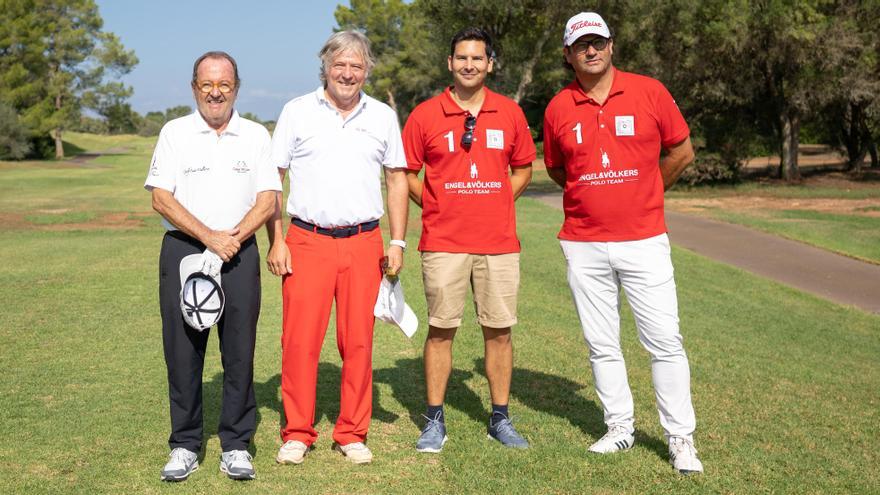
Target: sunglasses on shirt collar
(470, 123)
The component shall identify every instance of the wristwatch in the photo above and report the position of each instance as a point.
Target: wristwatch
(397, 242)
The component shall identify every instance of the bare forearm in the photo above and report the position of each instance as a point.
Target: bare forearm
(558, 175)
(415, 187)
(671, 169)
(677, 159)
(520, 178)
(166, 205)
(262, 211)
(275, 225)
(398, 204)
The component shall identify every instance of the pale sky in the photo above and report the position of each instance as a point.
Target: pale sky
(275, 43)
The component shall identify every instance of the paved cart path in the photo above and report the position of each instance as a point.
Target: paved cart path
(832, 276)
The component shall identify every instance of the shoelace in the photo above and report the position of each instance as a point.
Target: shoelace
(180, 455)
(683, 446)
(432, 423)
(238, 455)
(614, 431)
(505, 426)
(355, 446)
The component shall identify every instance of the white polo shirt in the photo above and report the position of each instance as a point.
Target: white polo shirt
(215, 177)
(334, 164)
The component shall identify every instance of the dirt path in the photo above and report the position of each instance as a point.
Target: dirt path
(825, 274)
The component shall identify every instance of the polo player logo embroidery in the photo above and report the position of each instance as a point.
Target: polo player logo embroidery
(606, 162)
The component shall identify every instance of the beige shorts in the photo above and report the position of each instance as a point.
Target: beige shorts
(493, 277)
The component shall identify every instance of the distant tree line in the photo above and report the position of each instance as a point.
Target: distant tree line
(55, 61)
(751, 76)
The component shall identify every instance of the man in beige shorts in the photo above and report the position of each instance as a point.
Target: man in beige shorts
(477, 152)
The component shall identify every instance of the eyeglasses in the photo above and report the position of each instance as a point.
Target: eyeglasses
(208, 86)
(598, 43)
(470, 123)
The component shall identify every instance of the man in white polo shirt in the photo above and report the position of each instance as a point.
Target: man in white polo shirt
(213, 184)
(333, 143)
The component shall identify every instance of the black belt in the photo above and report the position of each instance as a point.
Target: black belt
(336, 232)
(179, 235)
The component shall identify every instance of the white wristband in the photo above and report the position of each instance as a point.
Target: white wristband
(397, 242)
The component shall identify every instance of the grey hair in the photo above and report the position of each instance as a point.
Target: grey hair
(215, 54)
(344, 41)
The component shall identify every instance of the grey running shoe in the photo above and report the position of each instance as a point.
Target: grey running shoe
(683, 455)
(181, 463)
(501, 429)
(433, 435)
(237, 465)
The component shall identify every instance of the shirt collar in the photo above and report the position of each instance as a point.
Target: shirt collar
(450, 107)
(618, 85)
(322, 100)
(233, 127)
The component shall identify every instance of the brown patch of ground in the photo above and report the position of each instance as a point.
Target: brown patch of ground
(866, 207)
(111, 221)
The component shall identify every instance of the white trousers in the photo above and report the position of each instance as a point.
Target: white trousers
(643, 268)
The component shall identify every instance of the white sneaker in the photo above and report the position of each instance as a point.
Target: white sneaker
(292, 452)
(237, 465)
(356, 452)
(181, 463)
(618, 438)
(683, 455)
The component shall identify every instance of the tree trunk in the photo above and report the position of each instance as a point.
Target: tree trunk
(391, 102)
(872, 149)
(59, 145)
(529, 67)
(788, 166)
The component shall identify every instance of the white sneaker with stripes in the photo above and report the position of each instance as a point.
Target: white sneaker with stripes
(618, 438)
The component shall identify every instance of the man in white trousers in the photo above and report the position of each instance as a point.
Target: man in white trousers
(603, 135)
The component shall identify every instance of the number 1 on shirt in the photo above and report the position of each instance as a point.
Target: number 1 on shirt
(577, 131)
(448, 137)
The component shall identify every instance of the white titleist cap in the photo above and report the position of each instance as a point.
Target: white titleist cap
(584, 23)
(201, 296)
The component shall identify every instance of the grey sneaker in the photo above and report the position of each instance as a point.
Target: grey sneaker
(433, 435)
(237, 465)
(683, 455)
(501, 429)
(181, 463)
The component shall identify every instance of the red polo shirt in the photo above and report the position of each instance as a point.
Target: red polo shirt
(611, 154)
(467, 200)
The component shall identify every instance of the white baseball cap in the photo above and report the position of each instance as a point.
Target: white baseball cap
(584, 23)
(201, 296)
(391, 308)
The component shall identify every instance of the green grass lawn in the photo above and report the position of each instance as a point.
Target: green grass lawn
(786, 386)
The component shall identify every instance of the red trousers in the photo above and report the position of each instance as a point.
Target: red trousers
(325, 268)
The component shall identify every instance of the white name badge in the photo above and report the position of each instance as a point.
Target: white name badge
(495, 139)
(624, 125)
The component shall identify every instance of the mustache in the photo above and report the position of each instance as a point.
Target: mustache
(215, 99)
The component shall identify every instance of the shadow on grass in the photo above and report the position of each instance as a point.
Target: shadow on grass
(407, 379)
(561, 397)
(268, 393)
